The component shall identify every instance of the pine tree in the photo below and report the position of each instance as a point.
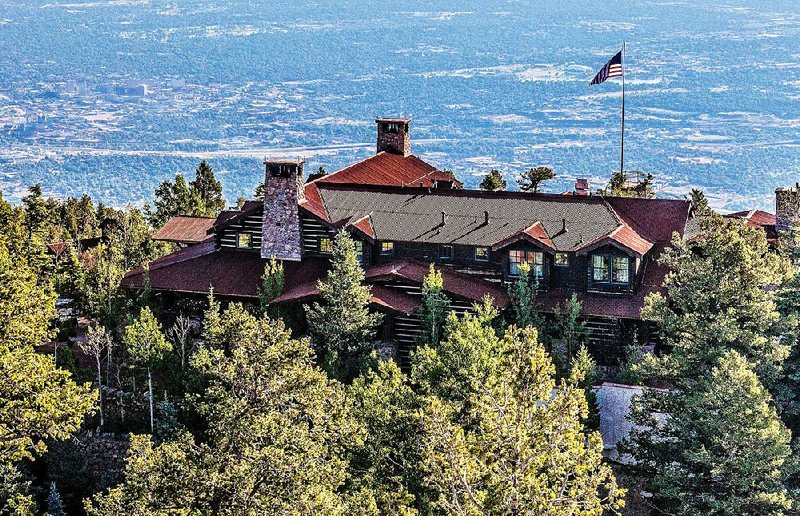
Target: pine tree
(493, 181)
(523, 293)
(716, 300)
(276, 434)
(525, 450)
(699, 203)
(271, 286)
(433, 310)
(717, 447)
(147, 346)
(341, 325)
(55, 507)
(532, 178)
(207, 188)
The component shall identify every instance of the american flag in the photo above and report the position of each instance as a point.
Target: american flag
(613, 68)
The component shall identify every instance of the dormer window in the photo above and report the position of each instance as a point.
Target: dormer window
(533, 258)
(244, 240)
(608, 269)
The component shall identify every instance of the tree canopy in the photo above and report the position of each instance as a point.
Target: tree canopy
(493, 181)
(531, 179)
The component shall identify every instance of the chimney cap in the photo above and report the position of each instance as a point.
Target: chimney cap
(396, 120)
(283, 161)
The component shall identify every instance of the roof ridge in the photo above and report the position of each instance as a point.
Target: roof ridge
(322, 180)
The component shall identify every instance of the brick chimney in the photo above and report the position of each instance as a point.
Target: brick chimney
(394, 136)
(281, 223)
(581, 186)
(787, 206)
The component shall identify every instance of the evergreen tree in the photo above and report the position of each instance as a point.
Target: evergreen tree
(433, 310)
(55, 507)
(387, 463)
(531, 179)
(569, 330)
(208, 190)
(715, 448)
(456, 368)
(146, 344)
(720, 296)
(523, 294)
(699, 203)
(272, 282)
(321, 172)
(525, 451)
(341, 326)
(171, 199)
(277, 431)
(493, 181)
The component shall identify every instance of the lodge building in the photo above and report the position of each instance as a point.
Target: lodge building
(404, 214)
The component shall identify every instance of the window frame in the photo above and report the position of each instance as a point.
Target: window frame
(239, 235)
(320, 241)
(610, 269)
(390, 251)
(488, 255)
(566, 258)
(446, 252)
(537, 269)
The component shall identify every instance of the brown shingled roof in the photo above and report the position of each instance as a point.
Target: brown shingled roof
(185, 230)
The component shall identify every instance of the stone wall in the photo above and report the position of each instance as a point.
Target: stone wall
(281, 229)
(787, 206)
(394, 136)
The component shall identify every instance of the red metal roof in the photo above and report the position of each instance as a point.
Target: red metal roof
(623, 236)
(185, 230)
(389, 170)
(454, 283)
(364, 225)
(755, 217)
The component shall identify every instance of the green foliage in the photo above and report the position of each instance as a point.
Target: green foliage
(276, 434)
(459, 366)
(717, 301)
(272, 282)
(570, 332)
(699, 203)
(387, 462)
(716, 448)
(433, 310)
(523, 294)
(493, 181)
(321, 172)
(525, 451)
(55, 507)
(621, 185)
(15, 492)
(147, 346)
(201, 197)
(531, 179)
(341, 326)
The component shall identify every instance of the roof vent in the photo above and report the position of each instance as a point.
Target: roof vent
(444, 218)
(485, 217)
(564, 225)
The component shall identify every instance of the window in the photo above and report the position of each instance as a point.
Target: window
(481, 254)
(244, 240)
(446, 252)
(620, 270)
(387, 248)
(562, 260)
(607, 269)
(600, 268)
(325, 244)
(533, 258)
(360, 252)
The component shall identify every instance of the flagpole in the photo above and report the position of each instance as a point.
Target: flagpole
(622, 140)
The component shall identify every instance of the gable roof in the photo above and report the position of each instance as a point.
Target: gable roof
(754, 217)
(534, 233)
(185, 230)
(388, 169)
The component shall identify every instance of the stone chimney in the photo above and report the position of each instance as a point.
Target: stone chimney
(787, 206)
(581, 186)
(394, 136)
(283, 190)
